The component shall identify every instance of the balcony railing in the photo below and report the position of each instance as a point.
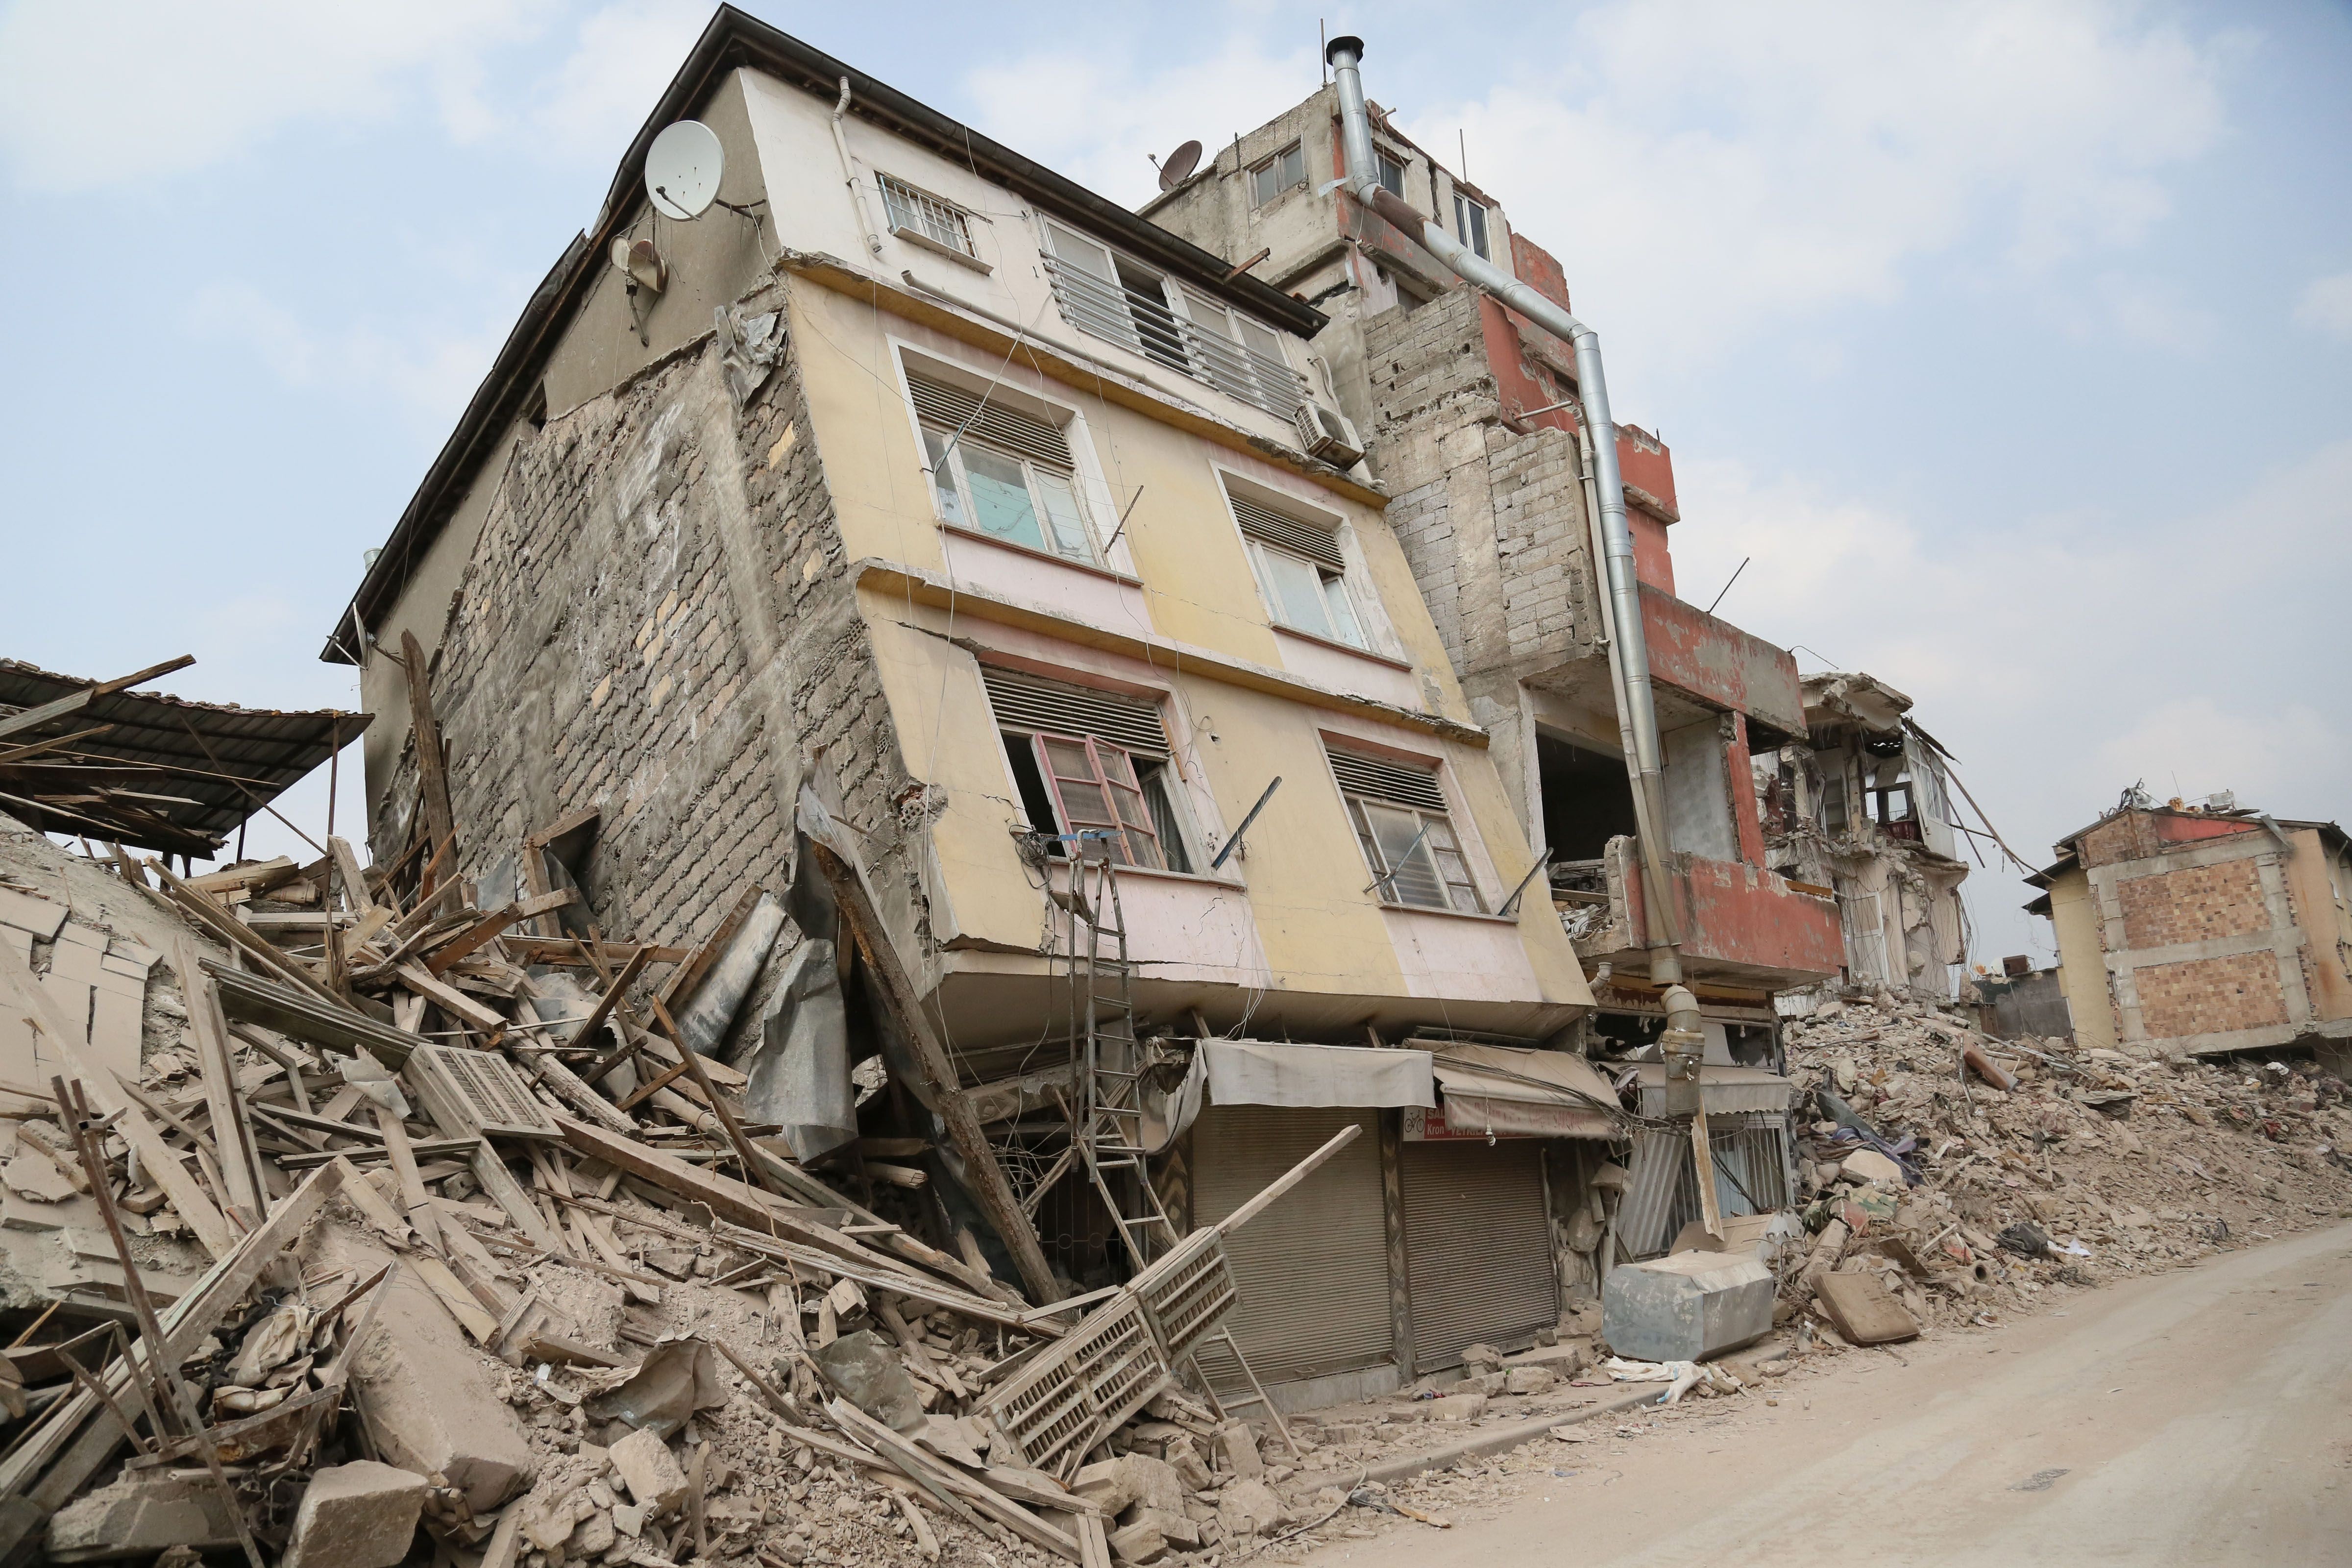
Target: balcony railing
(1141, 320)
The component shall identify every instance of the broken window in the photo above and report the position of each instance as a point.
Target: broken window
(1115, 298)
(1406, 833)
(1889, 801)
(918, 214)
(1300, 570)
(1470, 224)
(1286, 171)
(1091, 763)
(1000, 471)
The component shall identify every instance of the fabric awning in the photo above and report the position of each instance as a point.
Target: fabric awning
(1725, 1091)
(1259, 1072)
(1510, 1093)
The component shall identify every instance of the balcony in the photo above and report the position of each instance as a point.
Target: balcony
(1740, 925)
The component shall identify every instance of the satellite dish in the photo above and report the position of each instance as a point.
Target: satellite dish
(1180, 165)
(682, 170)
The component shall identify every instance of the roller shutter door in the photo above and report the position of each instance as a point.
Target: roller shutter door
(1477, 1247)
(1313, 1269)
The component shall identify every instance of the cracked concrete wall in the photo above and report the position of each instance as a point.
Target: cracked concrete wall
(658, 620)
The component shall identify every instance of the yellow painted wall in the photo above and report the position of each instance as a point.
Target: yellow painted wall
(2082, 963)
(2320, 910)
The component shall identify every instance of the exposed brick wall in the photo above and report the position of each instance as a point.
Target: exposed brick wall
(658, 590)
(1491, 520)
(2196, 904)
(2211, 995)
(2130, 836)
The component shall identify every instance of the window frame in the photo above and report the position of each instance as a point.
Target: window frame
(1330, 584)
(1116, 785)
(1383, 161)
(1273, 163)
(1425, 848)
(962, 244)
(954, 445)
(1478, 241)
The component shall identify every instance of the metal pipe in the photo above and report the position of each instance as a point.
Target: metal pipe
(1629, 650)
(849, 173)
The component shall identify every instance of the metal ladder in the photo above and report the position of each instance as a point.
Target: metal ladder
(1108, 1133)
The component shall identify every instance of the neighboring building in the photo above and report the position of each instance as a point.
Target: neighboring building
(2022, 1002)
(2201, 930)
(1466, 413)
(982, 512)
(1861, 805)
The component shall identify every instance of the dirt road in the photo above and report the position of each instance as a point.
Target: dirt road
(2203, 1417)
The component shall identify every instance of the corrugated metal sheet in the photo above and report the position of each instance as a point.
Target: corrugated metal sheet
(1658, 1160)
(225, 762)
(1313, 1269)
(1477, 1249)
(1751, 1176)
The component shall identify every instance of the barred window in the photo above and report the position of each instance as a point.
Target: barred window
(916, 212)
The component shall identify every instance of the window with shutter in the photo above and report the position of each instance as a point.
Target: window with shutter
(1406, 834)
(1091, 763)
(1001, 471)
(1301, 569)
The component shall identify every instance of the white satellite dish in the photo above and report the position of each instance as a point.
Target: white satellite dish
(682, 170)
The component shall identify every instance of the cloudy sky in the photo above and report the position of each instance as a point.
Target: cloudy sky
(2011, 342)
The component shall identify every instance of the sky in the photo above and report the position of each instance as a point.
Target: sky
(2009, 344)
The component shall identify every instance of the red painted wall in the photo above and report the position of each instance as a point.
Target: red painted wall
(1534, 266)
(1715, 661)
(1729, 913)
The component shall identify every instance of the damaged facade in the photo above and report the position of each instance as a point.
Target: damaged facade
(977, 537)
(1861, 805)
(2203, 930)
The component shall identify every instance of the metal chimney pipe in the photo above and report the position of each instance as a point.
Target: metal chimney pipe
(1629, 652)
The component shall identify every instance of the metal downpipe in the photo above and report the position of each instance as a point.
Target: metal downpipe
(1628, 648)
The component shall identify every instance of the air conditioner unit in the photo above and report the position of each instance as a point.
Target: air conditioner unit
(1327, 435)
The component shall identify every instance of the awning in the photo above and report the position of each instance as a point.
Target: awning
(1258, 1072)
(1725, 1091)
(1509, 1092)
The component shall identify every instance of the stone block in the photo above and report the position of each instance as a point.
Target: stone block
(1686, 1307)
(432, 1403)
(140, 1515)
(1245, 1508)
(1529, 1380)
(1238, 1445)
(1138, 1544)
(359, 1515)
(1117, 1485)
(649, 1470)
(1458, 1408)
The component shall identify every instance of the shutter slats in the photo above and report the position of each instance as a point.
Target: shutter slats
(951, 409)
(1312, 1270)
(1319, 543)
(1398, 783)
(1025, 702)
(1478, 1248)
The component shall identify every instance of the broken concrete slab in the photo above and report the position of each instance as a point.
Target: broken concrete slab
(1457, 1407)
(359, 1515)
(1237, 1448)
(1870, 1165)
(1529, 1380)
(1687, 1307)
(1250, 1508)
(1115, 1484)
(649, 1470)
(140, 1515)
(430, 1399)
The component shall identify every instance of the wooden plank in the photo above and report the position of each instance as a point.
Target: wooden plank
(997, 1201)
(354, 879)
(240, 1161)
(363, 1196)
(432, 778)
(449, 998)
(74, 702)
(261, 874)
(1094, 1546)
(585, 1033)
(78, 1459)
(923, 1468)
(332, 1026)
(450, 949)
(412, 1196)
(460, 1301)
(726, 1197)
(232, 932)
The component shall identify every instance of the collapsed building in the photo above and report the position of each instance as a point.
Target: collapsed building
(2203, 930)
(1861, 803)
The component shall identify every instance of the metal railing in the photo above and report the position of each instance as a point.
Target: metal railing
(1143, 323)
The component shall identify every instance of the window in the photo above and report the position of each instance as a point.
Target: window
(1391, 171)
(1889, 801)
(1000, 471)
(1286, 171)
(1400, 821)
(1300, 570)
(1109, 296)
(920, 215)
(1093, 769)
(1470, 224)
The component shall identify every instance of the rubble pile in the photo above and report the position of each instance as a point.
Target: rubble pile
(1964, 1175)
(445, 1226)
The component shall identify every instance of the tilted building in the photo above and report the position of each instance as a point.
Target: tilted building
(916, 499)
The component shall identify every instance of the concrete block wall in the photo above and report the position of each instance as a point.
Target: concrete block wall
(658, 620)
(1492, 520)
